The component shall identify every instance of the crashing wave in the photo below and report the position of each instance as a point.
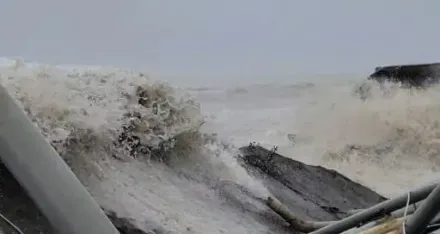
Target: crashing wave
(90, 114)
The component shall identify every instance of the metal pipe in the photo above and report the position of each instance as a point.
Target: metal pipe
(45, 176)
(372, 212)
(425, 213)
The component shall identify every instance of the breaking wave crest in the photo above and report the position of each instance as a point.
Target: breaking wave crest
(83, 112)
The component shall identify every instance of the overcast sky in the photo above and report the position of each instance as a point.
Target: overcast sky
(223, 37)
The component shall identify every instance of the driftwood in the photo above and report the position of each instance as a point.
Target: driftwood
(296, 222)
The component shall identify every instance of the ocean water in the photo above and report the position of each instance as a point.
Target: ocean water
(389, 142)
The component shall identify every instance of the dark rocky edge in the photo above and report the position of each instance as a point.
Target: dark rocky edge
(410, 75)
(311, 192)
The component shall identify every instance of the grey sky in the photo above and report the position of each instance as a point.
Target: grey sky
(223, 38)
